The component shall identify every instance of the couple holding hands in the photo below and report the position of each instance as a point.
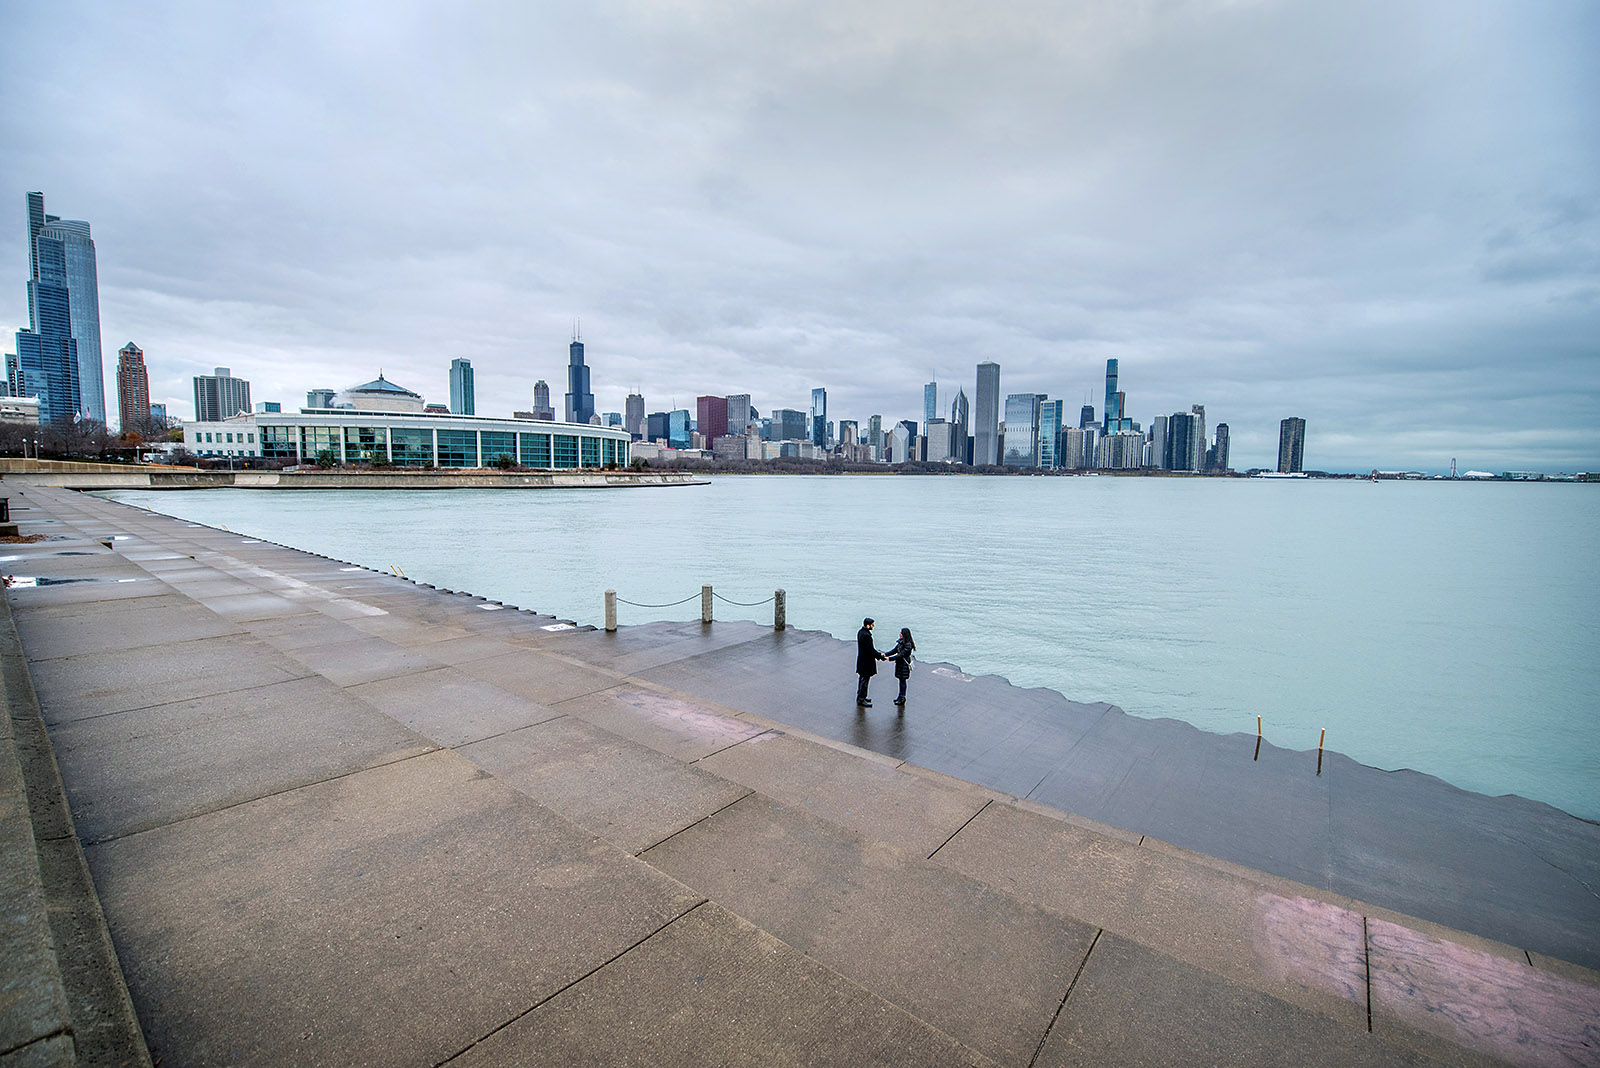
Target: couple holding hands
(867, 657)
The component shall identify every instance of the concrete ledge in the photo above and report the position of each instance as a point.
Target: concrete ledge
(33, 998)
(62, 997)
(108, 476)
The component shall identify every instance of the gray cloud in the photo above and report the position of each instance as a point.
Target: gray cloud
(1379, 217)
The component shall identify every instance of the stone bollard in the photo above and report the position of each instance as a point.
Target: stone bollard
(705, 604)
(779, 611)
(611, 611)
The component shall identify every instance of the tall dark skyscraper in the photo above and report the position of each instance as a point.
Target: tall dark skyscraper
(819, 418)
(1113, 408)
(1217, 458)
(1086, 417)
(580, 401)
(633, 415)
(959, 418)
(986, 416)
(1184, 443)
(930, 402)
(133, 389)
(1291, 445)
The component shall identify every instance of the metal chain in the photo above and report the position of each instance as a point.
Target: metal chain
(672, 604)
(743, 604)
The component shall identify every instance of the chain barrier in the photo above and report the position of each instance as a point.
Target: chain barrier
(670, 604)
(743, 604)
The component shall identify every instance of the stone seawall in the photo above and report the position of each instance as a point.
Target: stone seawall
(112, 476)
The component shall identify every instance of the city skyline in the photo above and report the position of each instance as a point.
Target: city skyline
(1382, 221)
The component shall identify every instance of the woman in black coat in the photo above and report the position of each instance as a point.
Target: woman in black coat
(901, 655)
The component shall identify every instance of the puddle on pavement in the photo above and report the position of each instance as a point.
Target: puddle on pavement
(28, 582)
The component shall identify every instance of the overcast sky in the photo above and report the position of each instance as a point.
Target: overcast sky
(1381, 216)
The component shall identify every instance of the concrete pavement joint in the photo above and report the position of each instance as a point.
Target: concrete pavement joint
(65, 1032)
(435, 748)
(961, 828)
(640, 854)
(570, 985)
(1084, 963)
(1366, 963)
(763, 733)
(182, 700)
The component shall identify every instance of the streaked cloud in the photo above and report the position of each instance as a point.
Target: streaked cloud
(1380, 217)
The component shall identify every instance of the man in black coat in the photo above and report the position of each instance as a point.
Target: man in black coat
(867, 658)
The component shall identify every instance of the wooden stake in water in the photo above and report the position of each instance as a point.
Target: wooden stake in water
(1320, 740)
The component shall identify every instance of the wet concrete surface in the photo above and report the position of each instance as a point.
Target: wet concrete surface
(1507, 868)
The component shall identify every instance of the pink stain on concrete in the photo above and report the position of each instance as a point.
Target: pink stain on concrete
(1505, 1008)
(1311, 943)
(685, 718)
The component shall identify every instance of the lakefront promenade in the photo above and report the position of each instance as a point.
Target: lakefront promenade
(330, 816)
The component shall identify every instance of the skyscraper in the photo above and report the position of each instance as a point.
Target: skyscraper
(711, 418)
(632, 413)
(1199, 412)
(1113, 408)
(958, 428)
(133, 389)
(1050, 415)
(986, 419)
(542, 408)
(1022, 429)
(678, 428)
(64, 299)
(462, 400)
(1291, 445)
(875, 436)
(1183, 442)
(219, 396)
(1218, 456)
(580, 401)
(930, 402)
(739, 417)
(319, 398)
(1086, 417)
(819, 418)
(1158, 442)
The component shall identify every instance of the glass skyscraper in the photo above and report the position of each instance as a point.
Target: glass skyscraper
(819, 418)
(63, 300)
(986, 417)
(1113, 408)
(1022, 429)
(678, 429)
(1050, 415)
(462, 399)
(930, 402)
